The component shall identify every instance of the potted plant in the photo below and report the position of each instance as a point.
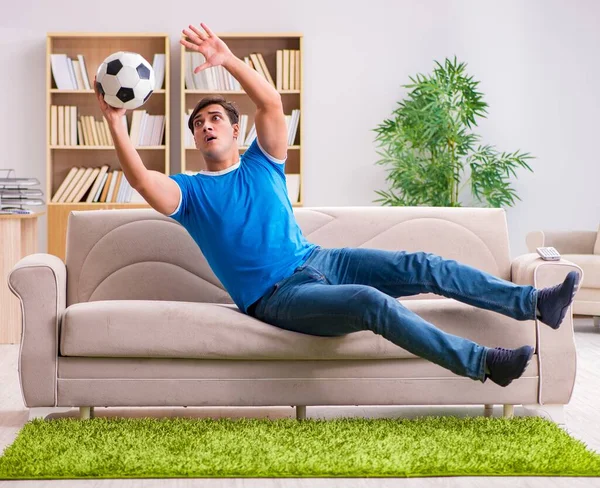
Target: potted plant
(428, 143)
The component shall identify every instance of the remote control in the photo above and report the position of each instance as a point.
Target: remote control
(548, 253)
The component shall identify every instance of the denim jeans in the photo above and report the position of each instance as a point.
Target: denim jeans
(343, 290)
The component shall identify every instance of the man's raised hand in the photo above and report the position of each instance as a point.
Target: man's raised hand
(111, 114)
(214, 50)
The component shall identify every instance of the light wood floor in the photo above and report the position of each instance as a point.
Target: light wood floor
(582, 413)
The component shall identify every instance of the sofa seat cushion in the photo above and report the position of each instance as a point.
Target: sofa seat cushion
(169, 329)
(590, 264)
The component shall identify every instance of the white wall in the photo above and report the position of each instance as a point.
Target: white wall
(537, 61)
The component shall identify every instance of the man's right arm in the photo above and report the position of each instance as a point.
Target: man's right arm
(160, 191)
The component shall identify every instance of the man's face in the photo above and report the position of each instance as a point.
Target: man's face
(213, 132)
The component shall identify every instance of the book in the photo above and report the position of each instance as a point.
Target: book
(67, 125)
(189, 73)
(76, 177)
(279, 73)
(53, 125)
(265, 69)
(60, 72)
(285, 85)
(158, 65)
(64, 184)
(257, 65)
(104, 193)
(100, 187)
(61, 125)
(82, 181)
(117, 186)
(84, 73)
(73, 124)
(297, 69)
(99, 178)
(87, 184)
(113, 183)
(292, 70)
(78, 75)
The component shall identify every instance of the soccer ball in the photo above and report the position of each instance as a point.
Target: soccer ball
(125, 79)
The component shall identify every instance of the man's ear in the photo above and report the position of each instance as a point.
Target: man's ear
(236, 130)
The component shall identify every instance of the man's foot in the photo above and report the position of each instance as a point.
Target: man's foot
(505, 365)
(553, 302)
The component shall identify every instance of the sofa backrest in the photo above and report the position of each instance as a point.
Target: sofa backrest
(140, 254)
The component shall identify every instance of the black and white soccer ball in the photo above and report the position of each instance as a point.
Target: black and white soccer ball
(125, 79)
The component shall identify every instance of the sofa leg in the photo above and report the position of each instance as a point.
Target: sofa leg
(488, 410)
(509, 411)
(49, 413)
(86, 413)
(552, 412)
(597, 321)
(300, 412)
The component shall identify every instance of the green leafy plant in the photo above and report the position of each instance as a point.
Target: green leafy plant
(428, 143)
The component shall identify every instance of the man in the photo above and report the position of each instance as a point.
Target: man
(239, 214)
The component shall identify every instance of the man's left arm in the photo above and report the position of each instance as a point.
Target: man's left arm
(271, 129)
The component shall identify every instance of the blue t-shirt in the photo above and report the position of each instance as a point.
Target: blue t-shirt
(243, 222)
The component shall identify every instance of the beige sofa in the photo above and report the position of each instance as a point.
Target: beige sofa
(581, 247)
(135, 317)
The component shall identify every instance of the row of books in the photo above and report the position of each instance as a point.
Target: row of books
(146, 129)
(72, 74)
(69, 129)
(215, 78)
(247, 137)
(95, 184)
(218, 78)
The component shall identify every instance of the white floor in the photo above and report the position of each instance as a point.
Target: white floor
(582, 413)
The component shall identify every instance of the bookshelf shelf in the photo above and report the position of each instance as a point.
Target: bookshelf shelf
(71, 92)
(234, 92)
(94, 205)
(243, 148)
(103, 148)
(288, 82)
(62, 159)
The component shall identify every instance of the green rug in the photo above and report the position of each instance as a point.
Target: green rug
(263, 448)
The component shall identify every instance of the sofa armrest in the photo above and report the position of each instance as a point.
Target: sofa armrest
(555, 348)
(40, 283)
(565, 242)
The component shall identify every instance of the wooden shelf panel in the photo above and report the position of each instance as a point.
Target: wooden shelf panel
(56, 91)
(104, 148)
(243, 148)
(234, 92)
(98, 204)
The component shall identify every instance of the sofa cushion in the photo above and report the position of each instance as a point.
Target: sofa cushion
(590, 264)
(597, 245)
(167, 329)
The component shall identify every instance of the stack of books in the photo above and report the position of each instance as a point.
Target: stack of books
(98, 184)
(217, 78)
(72, 74)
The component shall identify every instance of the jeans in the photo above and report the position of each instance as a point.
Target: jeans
(343, 290)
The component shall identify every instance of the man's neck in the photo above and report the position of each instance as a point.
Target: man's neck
(213, 165)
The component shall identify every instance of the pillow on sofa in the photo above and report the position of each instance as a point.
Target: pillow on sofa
(597, 246)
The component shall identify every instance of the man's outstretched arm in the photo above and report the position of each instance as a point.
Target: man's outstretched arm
(271, 129)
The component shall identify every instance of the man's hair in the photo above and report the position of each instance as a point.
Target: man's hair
(232, 112)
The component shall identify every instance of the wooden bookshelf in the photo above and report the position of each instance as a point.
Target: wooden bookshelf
(95, 47)
(242, 45)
